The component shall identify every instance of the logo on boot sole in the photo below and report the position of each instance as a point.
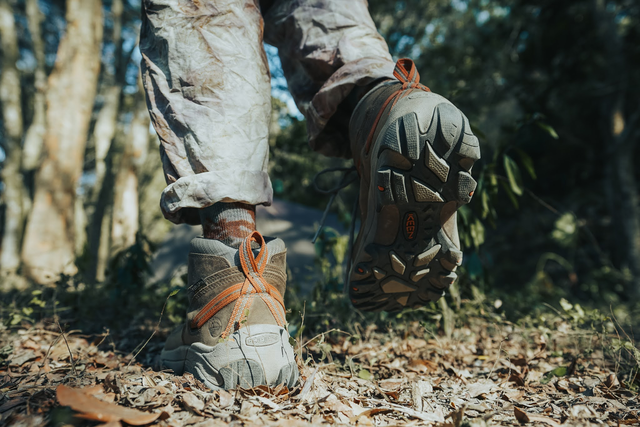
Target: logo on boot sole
(262, 340)
(410, 225)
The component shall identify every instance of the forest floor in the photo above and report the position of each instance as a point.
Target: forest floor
(487, 371)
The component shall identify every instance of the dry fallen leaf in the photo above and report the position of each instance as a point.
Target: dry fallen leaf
(611, 381)
(422, 366)
(95, 409)
(517, 378)
(418, 390)
(523, 417)
(391, 384)
(457, 417)
(481, 387)
(520, 361)
(226, 399)
(369, 413)
(22, 358)
(190, 401)
(457, 374)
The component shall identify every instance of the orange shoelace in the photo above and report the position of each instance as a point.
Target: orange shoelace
(407, 73)
(254, 286)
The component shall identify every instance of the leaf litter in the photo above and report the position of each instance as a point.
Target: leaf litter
(484, 374)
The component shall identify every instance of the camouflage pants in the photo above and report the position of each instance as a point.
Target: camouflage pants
(207, 82)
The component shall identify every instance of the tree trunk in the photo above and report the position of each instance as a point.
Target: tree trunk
(620, 119)
(32, 148)
(48, 248)
(104, 134)
(126, 208)
(622, 192)
(98, 231)
(12, 116)
(106, 124)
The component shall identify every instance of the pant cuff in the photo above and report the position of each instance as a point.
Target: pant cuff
(181, 200)
(329, 135)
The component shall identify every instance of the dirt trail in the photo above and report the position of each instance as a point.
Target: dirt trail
(489, 374)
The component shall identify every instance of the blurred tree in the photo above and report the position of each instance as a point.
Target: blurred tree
(104, 133)
(32, 147)
(10, 96)
(579, 64)
(126, 207)
(49, 245)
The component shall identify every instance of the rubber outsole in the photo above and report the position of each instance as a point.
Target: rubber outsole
(252, 356)
(418, 179)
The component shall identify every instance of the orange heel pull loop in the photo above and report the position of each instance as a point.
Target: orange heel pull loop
(407, 73)
(254, 286)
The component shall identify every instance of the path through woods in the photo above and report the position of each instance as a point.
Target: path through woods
(491, 373)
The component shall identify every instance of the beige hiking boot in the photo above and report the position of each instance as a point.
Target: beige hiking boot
(414, 151)
(235, 332)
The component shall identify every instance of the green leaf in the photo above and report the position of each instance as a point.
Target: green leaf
(465, 214)
(565, 232)
(566, 305)
(15, 319)
(37, 301)
(484, 198)
(493, 180)
(509, 192)
(364, 374)
(551, 131)
(513, 173)
(477, 233)
(173, 293)
(527, 162)
(560, 371)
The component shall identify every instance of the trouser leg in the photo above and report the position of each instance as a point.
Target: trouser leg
(327, 48)
(206, 78)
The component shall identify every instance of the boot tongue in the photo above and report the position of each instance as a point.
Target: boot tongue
(204, 246)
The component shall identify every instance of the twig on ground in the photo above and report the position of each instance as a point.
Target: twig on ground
(155, 329)
(408, 411)
(323, 333)
(73, 362)
(497, 359)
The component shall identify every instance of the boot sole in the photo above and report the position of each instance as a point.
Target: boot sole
(252, 356)
(419, 177)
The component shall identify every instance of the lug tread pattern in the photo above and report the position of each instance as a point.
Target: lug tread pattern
(413, 272)
(399, 189)
(248, 374)
(411, 132)
(438, 165)
(391, 140)
(384, 187)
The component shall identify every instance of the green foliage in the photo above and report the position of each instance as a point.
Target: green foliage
(293, 166)
(560, 371)
(565, 231)
(513, 174)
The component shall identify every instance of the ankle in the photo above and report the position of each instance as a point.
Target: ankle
(229, 223)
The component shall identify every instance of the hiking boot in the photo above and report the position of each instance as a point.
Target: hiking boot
(414, 151)
(235, 332)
